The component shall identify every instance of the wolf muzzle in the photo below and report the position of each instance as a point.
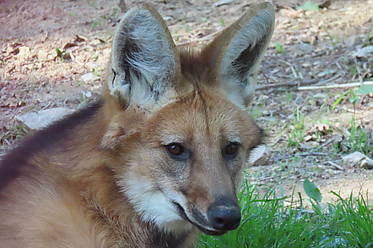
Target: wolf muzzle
(224, 215)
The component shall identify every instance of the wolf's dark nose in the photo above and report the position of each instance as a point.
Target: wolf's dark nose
(224, 215)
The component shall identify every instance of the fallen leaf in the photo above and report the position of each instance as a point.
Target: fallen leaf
(68, 45)
(322, 129)
(79, 38)
(259, 155)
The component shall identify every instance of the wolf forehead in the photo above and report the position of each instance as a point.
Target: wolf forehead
(203, 113)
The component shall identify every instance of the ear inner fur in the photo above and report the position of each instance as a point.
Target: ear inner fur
(145, 63)
(241, 47)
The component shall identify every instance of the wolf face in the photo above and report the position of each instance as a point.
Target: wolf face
(180, 155)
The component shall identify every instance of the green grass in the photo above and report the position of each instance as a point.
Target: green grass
(268, 222)
(279, 47)
(359, 139)
(297, 130)
(309, 6)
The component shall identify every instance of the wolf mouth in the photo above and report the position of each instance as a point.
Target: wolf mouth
(204, 230)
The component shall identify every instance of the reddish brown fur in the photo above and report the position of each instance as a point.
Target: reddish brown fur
(78, 203)
(70, 199)
(64, 192)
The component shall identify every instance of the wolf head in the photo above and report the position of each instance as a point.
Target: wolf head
(179, 134)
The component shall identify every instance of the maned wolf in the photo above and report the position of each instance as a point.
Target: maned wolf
(158, 158)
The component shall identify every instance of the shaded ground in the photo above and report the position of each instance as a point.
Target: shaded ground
(309, 48)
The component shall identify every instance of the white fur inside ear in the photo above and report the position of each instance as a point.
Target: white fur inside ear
(116, 88)
(152, 204)
(258, 29)
(253, 31)
(143, 58)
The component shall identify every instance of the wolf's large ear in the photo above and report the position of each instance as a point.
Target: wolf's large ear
(144, 61)
(237, 51)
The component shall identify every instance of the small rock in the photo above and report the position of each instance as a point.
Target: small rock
(353, 40)
(168, 18)
(87, 93)
(358, 159)
(364, 52)
(43, 118)
(306, 65)
(24, 52)
(88, 77)
(42, 55)
(367, 164)
(305, 47)
(291, 13)
(320, 95)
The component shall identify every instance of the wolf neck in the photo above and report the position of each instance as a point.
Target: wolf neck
(113, 215)
(161, 239)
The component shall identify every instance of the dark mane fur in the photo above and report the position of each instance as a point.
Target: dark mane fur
(194, 65)
(12, 163)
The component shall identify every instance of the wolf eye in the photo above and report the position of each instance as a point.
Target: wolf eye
(230, 151)
(177, 151)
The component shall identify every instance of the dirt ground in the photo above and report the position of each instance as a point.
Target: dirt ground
(48, 47)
